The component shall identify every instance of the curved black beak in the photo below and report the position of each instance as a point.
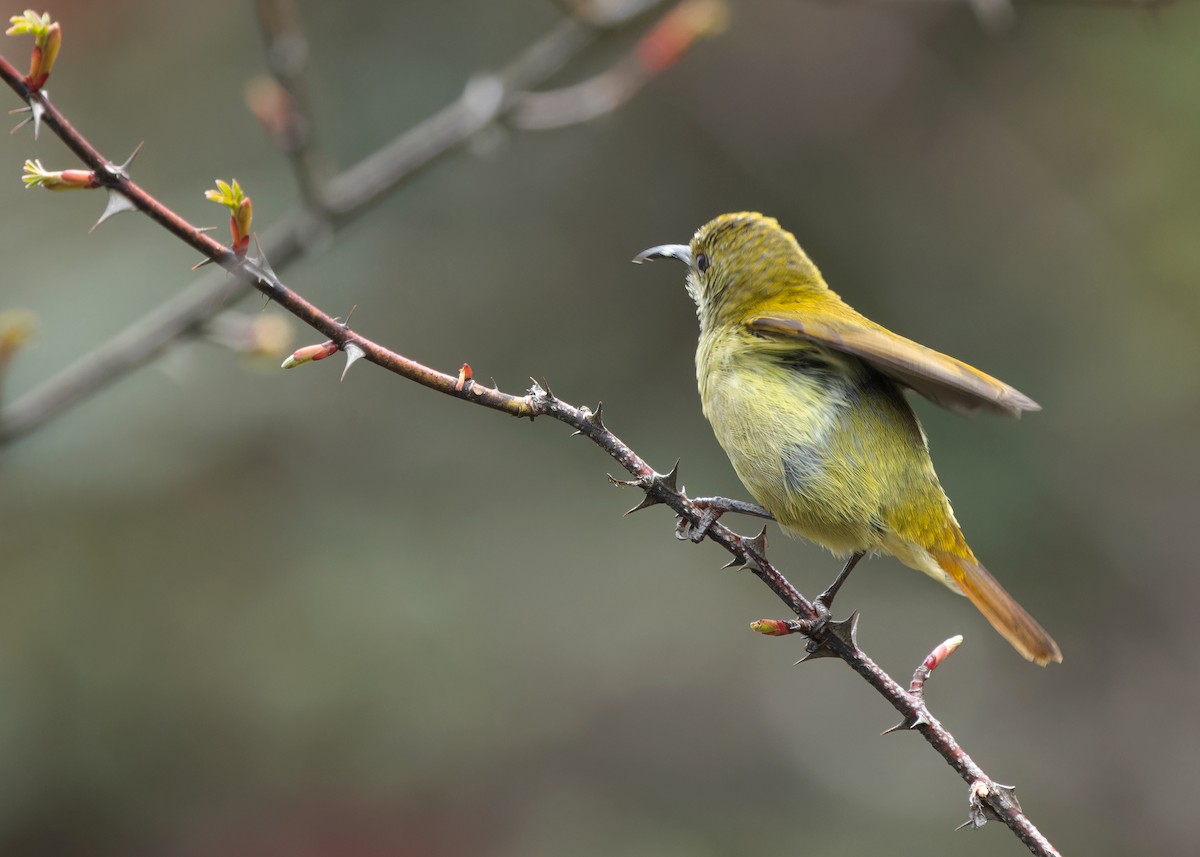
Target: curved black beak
(674, 251)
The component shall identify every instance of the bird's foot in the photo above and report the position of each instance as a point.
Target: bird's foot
(823, 627)
(712, 508)
(824, 601)
(824, 631)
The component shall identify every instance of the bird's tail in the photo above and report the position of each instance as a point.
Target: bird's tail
(1001, 609)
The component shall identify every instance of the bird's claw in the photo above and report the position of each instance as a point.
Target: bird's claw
(711, 510)
(685, 530)
(824, 629)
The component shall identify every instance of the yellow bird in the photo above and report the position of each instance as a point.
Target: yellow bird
(806, 397)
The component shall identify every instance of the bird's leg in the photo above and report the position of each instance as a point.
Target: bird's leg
(713, 508)
(825, 600)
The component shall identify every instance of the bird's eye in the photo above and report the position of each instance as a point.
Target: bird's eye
(702, 263)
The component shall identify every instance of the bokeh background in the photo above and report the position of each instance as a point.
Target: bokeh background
(252, 612)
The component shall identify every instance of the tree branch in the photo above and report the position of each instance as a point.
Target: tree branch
(283, 108)
(343, 199)
(347, 195)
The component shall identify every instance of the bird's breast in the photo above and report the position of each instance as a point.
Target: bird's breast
(783, 417)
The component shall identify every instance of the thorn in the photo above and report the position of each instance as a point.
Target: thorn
(593, 418)
(259, 265)
(354, 353)
(1009, 793)
(846, 630)
(621, 483)
(201, 264)
(813, 655)
(647, 501)
(671, 479)
(907, 723)
(755, 549)
(758, 544)
(736, 561)
(207, 228)
(36, 109)
(596, 417)
(649, 483)
(115, 204)
(122, 170)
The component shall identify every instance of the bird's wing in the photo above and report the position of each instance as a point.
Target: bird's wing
(943, 380)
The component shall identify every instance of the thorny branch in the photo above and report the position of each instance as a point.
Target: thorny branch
(338, 203)
(344, 197)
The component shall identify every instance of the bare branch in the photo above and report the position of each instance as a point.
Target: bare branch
(345, 197)
(282, 104)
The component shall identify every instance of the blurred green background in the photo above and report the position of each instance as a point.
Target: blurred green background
(252, 612)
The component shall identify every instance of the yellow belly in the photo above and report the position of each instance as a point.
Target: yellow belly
(830, 448)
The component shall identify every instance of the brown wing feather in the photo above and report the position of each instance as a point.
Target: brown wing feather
(938, 377)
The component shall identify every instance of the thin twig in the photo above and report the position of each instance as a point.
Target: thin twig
(345, 197)
(291, 123)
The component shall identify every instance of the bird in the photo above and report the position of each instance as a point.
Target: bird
(806, 396)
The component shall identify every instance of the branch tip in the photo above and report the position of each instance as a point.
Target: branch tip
(38, 176)
(464, 378)
(47, 40)
(777, 627)
(932, 661)
(310, 353)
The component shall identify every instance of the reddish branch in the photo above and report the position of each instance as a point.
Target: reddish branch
(332, 206)
(988, 798)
